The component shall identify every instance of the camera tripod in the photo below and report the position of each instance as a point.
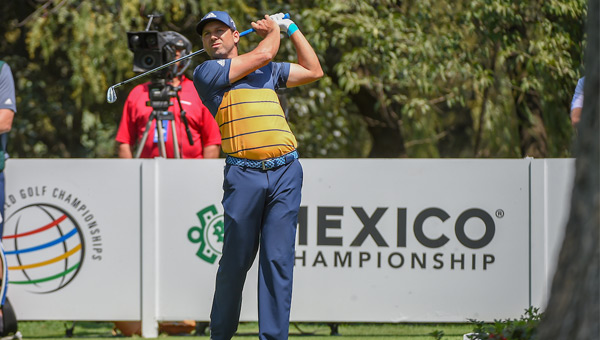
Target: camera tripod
(160, 95)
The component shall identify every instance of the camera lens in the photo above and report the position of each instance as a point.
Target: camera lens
(148, 61)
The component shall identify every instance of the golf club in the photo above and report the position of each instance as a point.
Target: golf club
(111, 94)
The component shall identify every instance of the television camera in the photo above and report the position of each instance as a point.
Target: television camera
(153, 49)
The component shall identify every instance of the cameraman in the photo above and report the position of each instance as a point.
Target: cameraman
(203, 127)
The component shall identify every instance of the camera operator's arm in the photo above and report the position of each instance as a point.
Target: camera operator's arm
(125, 151)
(209, 133)
(211, 151)
(127, 133)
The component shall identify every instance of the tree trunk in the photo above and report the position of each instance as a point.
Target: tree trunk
(532, 132)
(387, 137)
(573, 311)
(388, 141)
(459, 127)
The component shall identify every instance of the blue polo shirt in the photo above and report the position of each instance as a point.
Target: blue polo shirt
(7, 88)
(7, 98)
(248, 112)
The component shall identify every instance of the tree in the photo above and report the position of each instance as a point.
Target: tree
(465, 78)
(481, 76)
(65, 54)
(573, 310)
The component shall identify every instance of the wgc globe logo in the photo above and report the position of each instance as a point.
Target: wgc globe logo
(44, 247)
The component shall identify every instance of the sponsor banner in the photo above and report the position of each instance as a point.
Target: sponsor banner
(72, 239)
(413, 240)
(378, 240)
(190, 237)
(551, 186)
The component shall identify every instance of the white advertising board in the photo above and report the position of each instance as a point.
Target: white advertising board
(72, 239)
(551, 186)
(189, 194)
(412, 241)
(378, 240)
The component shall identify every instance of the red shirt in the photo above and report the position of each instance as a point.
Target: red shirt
(202, 125)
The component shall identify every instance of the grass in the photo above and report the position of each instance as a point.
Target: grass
(306, 331)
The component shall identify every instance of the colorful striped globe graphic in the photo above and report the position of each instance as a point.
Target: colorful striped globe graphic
(44, 248)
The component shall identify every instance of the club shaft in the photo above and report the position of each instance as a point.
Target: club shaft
(171, 63)
(158, 68)
(287, 16)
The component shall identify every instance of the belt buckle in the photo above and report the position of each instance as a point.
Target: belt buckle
(263, 165)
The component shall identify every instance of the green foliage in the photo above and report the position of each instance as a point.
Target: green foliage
(325, 123)
(437, 335)
(512, 329)
(439, 70)
(92, 330)
(466, 78)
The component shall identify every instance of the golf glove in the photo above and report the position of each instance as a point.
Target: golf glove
(285, 24)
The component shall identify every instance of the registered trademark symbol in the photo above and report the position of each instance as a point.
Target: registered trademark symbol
(499, 213)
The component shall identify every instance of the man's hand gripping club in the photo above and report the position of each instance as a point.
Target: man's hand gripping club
(285, 23)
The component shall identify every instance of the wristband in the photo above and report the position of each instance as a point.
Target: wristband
(292, 29)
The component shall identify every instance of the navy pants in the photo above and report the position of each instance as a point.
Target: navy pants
(261, 212)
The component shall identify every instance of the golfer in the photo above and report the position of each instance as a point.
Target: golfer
(262, 177)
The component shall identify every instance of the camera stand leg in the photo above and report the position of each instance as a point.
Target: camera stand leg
(175, 141)
(142, 142)
(159, 117)
(160, 95)
(161, 136)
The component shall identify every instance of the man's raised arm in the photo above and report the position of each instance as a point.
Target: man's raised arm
(244, 64)
(308, 68)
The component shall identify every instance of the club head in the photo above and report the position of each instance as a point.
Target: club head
(111, 95)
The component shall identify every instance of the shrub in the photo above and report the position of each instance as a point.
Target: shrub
(524, 328)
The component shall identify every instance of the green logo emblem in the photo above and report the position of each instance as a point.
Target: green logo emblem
(209, 235)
